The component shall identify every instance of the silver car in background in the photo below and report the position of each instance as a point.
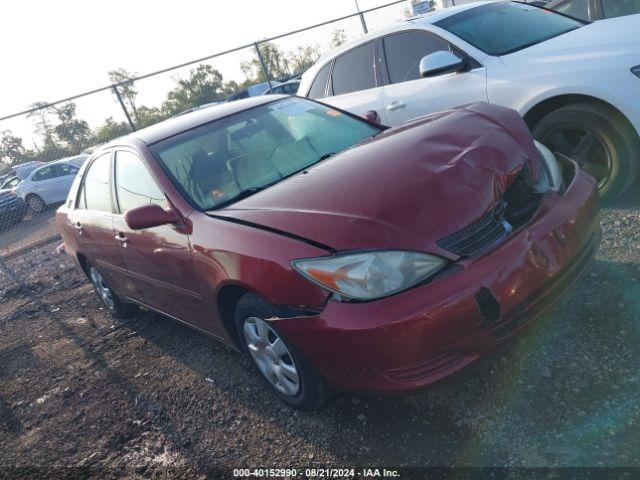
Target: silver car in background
(48, 184)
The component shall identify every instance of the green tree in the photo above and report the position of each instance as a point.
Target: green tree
(275, 61)
(127, 90)
(109, 130)
(150, 115)
(303, 58)
(338, 37)
(70, 130)
(12, 150)
(204, 85)
(42, 122)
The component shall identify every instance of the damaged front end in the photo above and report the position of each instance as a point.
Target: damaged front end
(514, 207)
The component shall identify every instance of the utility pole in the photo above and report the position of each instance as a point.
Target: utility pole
(364, 24)
(263, 65)
(124, 108)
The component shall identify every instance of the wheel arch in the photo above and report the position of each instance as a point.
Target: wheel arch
(542, 108)
(226, 302)
(83, 262)
(31, 194)
(229, 295)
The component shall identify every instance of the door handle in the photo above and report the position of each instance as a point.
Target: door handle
(394, 106)
(122, 238)
(78, 227)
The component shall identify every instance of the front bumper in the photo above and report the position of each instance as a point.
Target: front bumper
(415, 338)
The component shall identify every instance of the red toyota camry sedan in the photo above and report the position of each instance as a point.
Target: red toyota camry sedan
(335, 252)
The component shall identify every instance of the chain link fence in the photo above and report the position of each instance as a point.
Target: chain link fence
(42, 148)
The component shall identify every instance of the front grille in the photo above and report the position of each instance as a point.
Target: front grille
(518, 205)
(481, 234)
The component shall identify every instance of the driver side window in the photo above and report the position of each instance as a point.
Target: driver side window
(575, 8)
(404, 51)
(134, 185)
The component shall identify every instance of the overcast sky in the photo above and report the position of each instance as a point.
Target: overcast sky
(56, 48)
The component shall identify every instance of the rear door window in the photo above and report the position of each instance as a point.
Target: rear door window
(354, 70)
(64, 169)
(96, 188)
(134, 185)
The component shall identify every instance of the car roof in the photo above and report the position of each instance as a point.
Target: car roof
(60, 161)
(418, 20)
(174, 125)
(49, 164)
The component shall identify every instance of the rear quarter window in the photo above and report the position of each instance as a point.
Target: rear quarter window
(318, 86)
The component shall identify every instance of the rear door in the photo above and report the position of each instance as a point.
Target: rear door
(92, 219)
(157, 259)
(408, 95)
(355, 84)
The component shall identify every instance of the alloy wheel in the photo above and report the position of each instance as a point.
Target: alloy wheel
(586, 147)
(36, 204)
(103, 290)
(271, 356)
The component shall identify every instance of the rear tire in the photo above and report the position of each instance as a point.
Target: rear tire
(286, 373)
(113, 303)
(36, 204)
(593, 135)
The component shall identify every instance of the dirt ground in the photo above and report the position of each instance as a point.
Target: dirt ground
(151, 398)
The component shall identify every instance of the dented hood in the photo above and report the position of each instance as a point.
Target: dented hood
(403, 189)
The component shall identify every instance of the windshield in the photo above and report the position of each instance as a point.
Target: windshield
(217, 162)
(10, 183)
(506, 27)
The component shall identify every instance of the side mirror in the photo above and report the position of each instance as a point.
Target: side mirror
(439, 63)
(149, 216)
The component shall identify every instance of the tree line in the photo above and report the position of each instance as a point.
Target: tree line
(61, 133)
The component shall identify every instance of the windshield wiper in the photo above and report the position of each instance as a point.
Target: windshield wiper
(247, 192)
(324, 157)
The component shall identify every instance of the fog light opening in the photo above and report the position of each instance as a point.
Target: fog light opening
(489, 307)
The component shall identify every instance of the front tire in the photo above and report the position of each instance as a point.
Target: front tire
(284, 370)
(116, 307)
(594, 137)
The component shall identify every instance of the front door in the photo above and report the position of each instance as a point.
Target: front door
(157, 259)
(408, 95)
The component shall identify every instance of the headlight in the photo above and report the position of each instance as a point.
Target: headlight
(551, 170)
(636, 70)
(369, 275)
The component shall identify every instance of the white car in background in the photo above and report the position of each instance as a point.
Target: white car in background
(577, 85)
(47, 185)
(77, 160)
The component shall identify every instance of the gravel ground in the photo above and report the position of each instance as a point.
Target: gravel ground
(149, 397)
(35, 227)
